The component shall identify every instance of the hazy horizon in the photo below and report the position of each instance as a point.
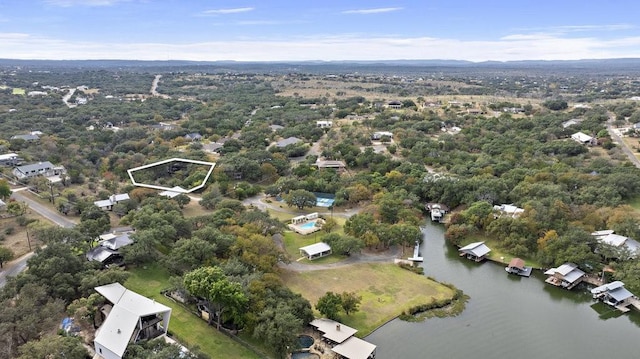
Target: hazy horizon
(284, 30)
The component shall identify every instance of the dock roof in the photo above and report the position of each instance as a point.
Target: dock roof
(354, 348)
(517, 263)
(478, 249)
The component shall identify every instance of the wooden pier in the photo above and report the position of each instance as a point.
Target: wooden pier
(416, 254)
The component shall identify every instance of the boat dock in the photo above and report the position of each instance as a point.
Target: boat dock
(416, 254)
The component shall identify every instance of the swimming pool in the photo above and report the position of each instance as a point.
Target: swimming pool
(305, 341)
(308, 225)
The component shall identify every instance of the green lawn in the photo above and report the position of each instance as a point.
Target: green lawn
(497, 254)
(18, 91)
(185, 326)
(386, 289)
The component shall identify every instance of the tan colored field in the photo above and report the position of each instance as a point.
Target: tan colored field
(17, 241)
(386, 289)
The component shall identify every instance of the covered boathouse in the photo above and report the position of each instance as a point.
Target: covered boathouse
(566, 276)
(476, 251)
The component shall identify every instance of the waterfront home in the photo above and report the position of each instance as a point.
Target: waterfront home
(583, 138)
(342, 340)
(476, 251)
(516, 266)
(566, 276)
(614, 294)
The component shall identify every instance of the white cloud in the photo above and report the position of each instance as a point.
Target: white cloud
(89, 3)
(227, 11)
(349, 47)
(372, 11)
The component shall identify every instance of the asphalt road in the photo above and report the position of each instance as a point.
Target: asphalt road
(623, 146)
(47, 213)
(18, 265)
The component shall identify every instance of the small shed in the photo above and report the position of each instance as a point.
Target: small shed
(476, 251)
(316, 250)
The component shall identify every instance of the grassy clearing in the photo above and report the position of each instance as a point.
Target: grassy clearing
(293, 241)
(386, 289)
(498, 254)
(187, 328)
(18, 91)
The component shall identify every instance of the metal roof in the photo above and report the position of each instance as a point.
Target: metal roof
(620, 294)
(478, 249)
(316, 248)
(354, 348)
(116, 331)
(333, 330)
(607, 287)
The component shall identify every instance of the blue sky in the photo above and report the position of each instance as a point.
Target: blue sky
(281, 30)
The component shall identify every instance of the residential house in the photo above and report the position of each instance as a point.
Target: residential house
(107, 251)
(316, 250)
(46, 169)
(566, 276)
(28, 137)
(379, 135)
(476, 251)
(275, 128)
(287, 141)
(214, 147)
(163, 127)
(337, 165)
(508, 210)
(132, 318)
(582, 138)
(324, 124)
(342, 339)
(173, 192)
(516, 266)
(107, 204)
(10, 159)
(396, 105)
(614, 294)
(618, 241)
(571, 122)
(195, 136)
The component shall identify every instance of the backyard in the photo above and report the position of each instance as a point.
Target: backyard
(187, 328)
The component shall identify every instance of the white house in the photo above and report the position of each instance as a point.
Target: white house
(107, 204)
(132, 318)
(380, 134)
(508, 210)
(46, 169)
(582, 138)
(324, 124)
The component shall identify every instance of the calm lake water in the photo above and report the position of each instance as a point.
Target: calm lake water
(508, 316)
